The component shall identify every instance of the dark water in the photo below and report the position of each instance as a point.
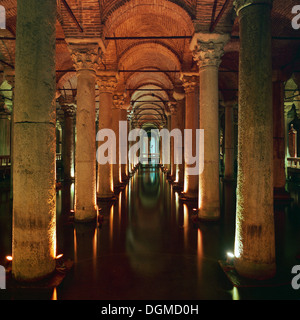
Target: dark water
(151, 247)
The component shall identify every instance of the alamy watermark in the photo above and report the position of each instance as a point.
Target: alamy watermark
(141, 143)
(296, 19)
(296, 279)
(2, 278)
(2, 18)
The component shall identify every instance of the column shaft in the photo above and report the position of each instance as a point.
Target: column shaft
(190, 83)
(255, 240)
(85, 175)
(229, 141)
(105, 183)
(279, 139)
(34, 194)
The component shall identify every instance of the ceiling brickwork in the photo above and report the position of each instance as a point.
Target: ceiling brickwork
(102, 19)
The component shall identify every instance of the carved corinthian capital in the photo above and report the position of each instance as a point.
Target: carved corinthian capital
(189, 83)
(119, 100)
(107, 82)
(86, 56)
(208, 48)
(240, 4)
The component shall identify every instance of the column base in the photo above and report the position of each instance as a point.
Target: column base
(280, 194)
(228, 179)
(177, 186)
(254, 270)
(106, 198)
(186, 197)
(86, 215)
(209, 214)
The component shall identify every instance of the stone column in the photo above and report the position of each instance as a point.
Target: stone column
(255, 240)
(279, 137)
(229, 140)
(124, 167)
(85, 56)
(34, 193)
(118, 102)
(179, 181)
(107, 83)
(207, 51)
(174, 125)
(191, 87)
(5, 131)
(68, 142)
(293, 142)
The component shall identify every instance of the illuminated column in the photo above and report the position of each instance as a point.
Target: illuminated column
(85, 56)
(118, 102)
(174, 125)
(124, 167)
(107, 83)
(208, 50)
(179, 181)
(255, 240)
(293, 142)
(229, 140)
(191, 86)
(34, 194)
(5, 121)
(68, 142)
(279, 137)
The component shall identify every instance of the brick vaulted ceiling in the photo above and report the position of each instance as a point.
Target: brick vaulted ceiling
(153, 18)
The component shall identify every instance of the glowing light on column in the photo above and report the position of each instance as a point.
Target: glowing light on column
(185, 222)
(54, 295)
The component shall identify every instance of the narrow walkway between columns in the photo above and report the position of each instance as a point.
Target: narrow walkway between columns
(151, 247)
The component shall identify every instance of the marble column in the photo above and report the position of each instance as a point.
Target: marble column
(191, 87)
(293, 142)
(107, 83)
(179, 178)
(124, 167)
(34, 193)
(174, 125)
(207, 51)
(5, 132)
(85, 56)
(68, 142)
(279, 137)
(229, 140)
(118, 102)
(255, 239)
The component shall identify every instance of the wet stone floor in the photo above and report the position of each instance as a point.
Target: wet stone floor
(150, 246)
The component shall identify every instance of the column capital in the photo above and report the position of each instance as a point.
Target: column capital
(69, 110)
(189, 82)
(208, 48)
(107, 81)
(173, 108)
(119, 100)
(231, 103)
(86, 54)
(240, 4)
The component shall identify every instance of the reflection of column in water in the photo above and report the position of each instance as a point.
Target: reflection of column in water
(185, 223)
(111, 224)
(199, 253)
(145, 231)
(75, 248)
(95, 251)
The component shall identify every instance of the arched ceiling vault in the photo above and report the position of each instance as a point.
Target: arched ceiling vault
(143, 35)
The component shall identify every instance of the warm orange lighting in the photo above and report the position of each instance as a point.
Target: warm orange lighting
(185, 222)
(9, 258)
(59, 256)
(54, 296)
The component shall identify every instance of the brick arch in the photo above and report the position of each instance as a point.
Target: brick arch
(135, 80)
(114, 7)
